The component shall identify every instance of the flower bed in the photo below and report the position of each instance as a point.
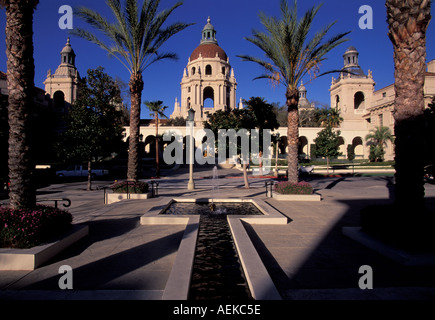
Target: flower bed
(286, 187)
(129, 187)
(302, 191)
(28, 228)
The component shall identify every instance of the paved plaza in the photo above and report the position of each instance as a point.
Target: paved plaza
(308, 259)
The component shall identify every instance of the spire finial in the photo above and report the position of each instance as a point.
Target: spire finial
(208, 19)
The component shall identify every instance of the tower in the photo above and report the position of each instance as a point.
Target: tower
(208, 82)
(304, 104)
(62, 85)
(352, 92)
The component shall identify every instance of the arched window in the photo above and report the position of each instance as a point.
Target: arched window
(208, 97)
(337, 102)
(59, 100)
(208, 70)
(223, 70)
(359, 101)
(193, 71)
(358, 148)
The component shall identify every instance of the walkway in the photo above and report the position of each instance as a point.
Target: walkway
(308, 258)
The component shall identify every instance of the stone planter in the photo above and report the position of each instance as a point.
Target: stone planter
(116, 197)
(32, 258)
(296, 197)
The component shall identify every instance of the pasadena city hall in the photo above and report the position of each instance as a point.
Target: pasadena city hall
(209, 84)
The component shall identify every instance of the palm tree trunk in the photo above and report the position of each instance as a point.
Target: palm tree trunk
(89, 188)
(292, 96)
(408, 22)
(136, 86)
(157, 145)
(20, 75)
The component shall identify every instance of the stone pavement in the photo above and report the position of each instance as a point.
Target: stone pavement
(307, 259)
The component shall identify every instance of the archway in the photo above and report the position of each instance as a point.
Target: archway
(150, 145)
(208, 97)
(358, 147)
(303, 152)
(59, 100)
(342, 147)
(283, 144)
(359, 101)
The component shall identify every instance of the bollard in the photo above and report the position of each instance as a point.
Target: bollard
(269, 192)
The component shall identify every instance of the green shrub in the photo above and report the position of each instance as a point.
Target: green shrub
(129, 187)
(376, 153)
(28, 228)
(287, 187)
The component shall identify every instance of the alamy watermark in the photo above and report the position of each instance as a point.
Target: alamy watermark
(366, 281)
(366, 21)
(232, 147)
(66, 21)
(66, 280)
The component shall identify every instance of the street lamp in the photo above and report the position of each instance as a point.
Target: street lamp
(191, 121)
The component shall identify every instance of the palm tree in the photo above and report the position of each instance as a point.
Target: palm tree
(20, 75)
(291, 56)
(157, 110)
(330, 117)
(135, 39)
(408, 22)
(379, 137)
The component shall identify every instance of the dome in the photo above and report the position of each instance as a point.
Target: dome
(208, 47)
(208, 50)
(351, 49)
(67, 48)
(208, 26)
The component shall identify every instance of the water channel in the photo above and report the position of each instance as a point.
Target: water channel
(217, 272)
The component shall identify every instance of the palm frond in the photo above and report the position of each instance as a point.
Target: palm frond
(289, 54)
(136, 35)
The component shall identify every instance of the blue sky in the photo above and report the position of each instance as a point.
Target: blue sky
(233, 20)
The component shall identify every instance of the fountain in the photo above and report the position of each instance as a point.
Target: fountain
(217, 272)
(214, 188)
(216, 251)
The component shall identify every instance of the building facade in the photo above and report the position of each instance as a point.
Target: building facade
(208, 83)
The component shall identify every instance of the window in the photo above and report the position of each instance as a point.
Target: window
(193, 71)
(208, 70)
(59, 101)
(223, 70)
(381, 120)
(384, 94)
(359, 101)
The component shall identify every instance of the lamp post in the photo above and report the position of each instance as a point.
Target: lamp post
(191, 121)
